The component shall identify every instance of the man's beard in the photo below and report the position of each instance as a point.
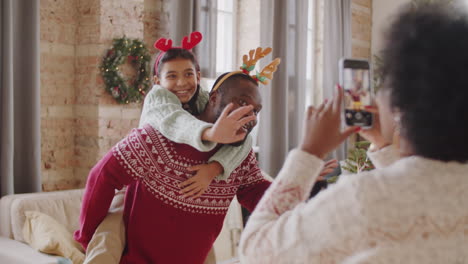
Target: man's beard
(238, 143)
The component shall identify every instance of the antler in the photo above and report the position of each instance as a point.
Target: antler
(268, 71)
(163, 44)
(195, 38)
(254, 56)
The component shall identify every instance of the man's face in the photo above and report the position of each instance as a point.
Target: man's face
(242, 93)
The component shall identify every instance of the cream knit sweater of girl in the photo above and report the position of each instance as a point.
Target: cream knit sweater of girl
(163, 111)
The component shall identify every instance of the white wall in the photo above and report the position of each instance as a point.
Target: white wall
(382, 13)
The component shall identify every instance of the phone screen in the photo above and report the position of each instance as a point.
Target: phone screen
(356, 82)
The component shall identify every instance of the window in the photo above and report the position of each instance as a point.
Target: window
(310, 31)
(314, 67)
(225, 46)
(225, 39)
(310, 51)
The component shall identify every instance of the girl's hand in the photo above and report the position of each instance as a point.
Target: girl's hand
(322, 127)
(198, 184)
(227, 128)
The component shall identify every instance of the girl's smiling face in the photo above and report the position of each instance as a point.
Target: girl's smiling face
(180, 77)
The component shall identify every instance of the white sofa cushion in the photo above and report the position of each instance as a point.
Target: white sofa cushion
(5, 215)
(12, 251)
(63, 206)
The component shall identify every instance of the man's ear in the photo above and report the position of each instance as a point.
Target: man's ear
(198, 77)
(156, 80)
(213, 98)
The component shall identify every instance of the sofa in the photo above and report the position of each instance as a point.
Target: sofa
(64, 207)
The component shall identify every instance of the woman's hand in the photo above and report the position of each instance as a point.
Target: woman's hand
(322, 127)
(374, 134)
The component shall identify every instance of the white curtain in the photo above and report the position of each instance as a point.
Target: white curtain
(187, 16)
(336, 44)
(20, 140)
(284, 26)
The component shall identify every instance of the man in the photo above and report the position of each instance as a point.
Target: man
(162, 226)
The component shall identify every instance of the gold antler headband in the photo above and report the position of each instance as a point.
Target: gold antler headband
(249, 64)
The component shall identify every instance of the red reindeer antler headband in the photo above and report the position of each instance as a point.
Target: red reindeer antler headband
(164, 45)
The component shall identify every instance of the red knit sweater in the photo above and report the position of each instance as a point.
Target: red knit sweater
(161, 226)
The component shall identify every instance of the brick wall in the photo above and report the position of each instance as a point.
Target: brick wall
(361, 28)
(58, 25)
(79, 120)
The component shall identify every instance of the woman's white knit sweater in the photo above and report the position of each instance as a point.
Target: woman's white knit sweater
(412, 211)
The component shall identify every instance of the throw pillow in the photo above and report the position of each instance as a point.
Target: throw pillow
(45, 234)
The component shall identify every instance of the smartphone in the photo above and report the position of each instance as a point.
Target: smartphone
(355, 78)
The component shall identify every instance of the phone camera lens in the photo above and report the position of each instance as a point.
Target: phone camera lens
(358, 116)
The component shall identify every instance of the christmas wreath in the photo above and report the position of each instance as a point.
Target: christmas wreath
(126, 90)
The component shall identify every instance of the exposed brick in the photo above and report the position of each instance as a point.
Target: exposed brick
(361, 52)
(361, 28)
(364, 3)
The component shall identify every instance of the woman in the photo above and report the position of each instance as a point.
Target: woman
(410, 210)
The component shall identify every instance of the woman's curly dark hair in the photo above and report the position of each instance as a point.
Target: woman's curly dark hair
(426, 71)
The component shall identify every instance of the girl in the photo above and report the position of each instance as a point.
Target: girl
(174, 101)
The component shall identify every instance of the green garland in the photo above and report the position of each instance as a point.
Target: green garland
(357, 160)
(122, 89)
